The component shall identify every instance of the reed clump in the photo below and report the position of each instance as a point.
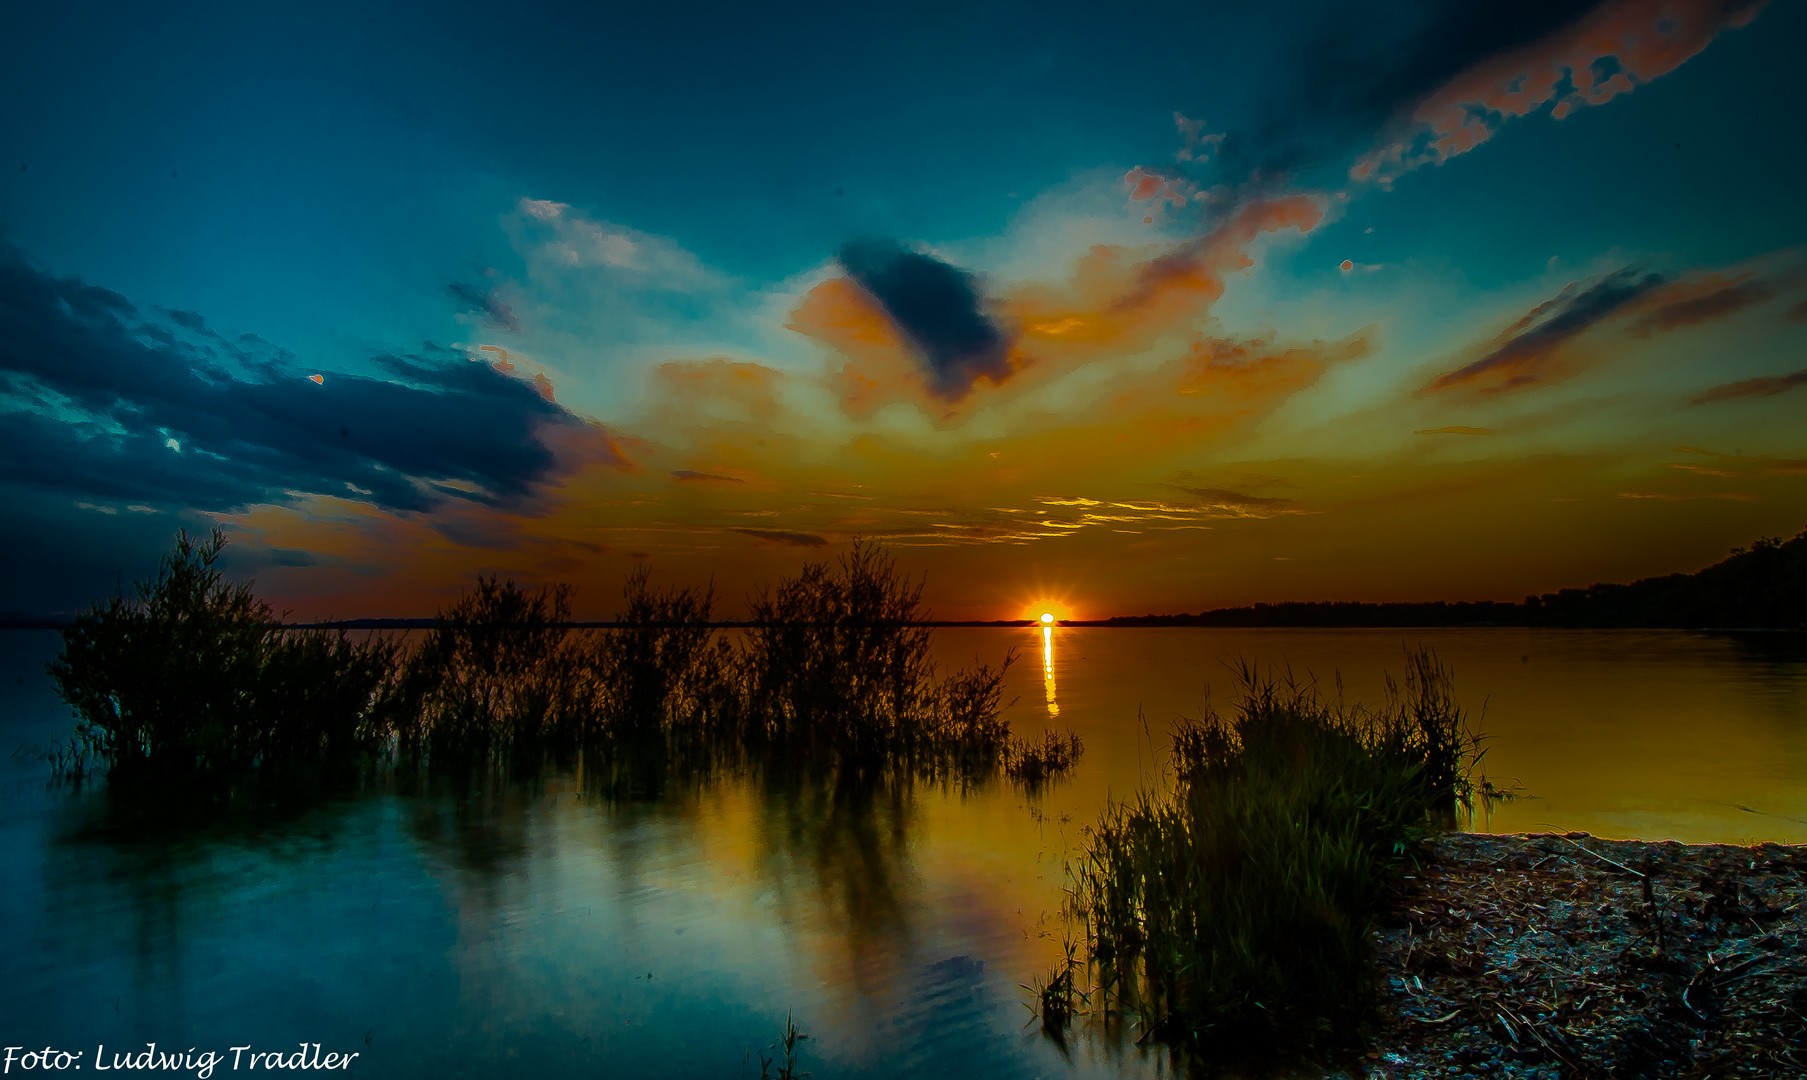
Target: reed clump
(195, 677)
(1232, 909)
(196, 674)
(837, 665)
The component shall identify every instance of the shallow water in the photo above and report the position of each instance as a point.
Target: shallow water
(542, 932)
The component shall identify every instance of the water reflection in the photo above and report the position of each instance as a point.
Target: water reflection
(602, 918)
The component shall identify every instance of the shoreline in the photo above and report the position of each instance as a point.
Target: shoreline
(1566, 955)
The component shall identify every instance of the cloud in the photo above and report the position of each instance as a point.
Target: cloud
(1114, 302)
(491, 307)
(249, 558)
(109, 403)
(1522, 355)
(1666, 496)
(1360, 71)
(691, 475)
(1765, 386)
(939, 310)
(788, 539)
(1714, 304)
(1227, 503)
(1607, 52)
(566, 237)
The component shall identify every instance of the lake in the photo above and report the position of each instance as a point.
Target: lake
(532, 930)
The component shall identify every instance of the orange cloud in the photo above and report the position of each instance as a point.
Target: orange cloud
(1607, 52)
(878, 367)
(1120, 300)
(1239, 373)
(720, 390)
(1116, 301)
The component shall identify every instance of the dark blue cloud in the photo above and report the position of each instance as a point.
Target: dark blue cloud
(106, 402)
(939, 309)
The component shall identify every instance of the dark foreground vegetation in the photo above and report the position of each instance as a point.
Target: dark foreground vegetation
(193, 678)
(1763, 587)
(1231, 912)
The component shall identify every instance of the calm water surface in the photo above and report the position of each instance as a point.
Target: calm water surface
(540, 932)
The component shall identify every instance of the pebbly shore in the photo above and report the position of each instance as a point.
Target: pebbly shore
(1566, 955)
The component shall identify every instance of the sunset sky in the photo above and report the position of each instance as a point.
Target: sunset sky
(1085, 308)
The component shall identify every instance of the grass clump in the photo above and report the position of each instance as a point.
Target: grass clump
(1231, 910)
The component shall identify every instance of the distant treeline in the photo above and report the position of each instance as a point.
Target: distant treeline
(1760, 587)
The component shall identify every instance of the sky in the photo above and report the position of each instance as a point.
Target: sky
(1076, 308)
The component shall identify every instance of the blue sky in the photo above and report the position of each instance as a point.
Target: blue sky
(620, 197)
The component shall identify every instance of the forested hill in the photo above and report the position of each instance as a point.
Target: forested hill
(1760, 587)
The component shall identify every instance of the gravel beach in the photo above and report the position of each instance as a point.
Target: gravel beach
(1565, 955)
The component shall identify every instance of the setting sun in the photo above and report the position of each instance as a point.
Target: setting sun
(1047, 618)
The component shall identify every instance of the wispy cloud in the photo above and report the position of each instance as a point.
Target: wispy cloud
(1607, 52)
(1522, 355)
(564, 236)
(487, 304)
(1764, 386)
(1716, 302)
(1222, 501)
(786, 539)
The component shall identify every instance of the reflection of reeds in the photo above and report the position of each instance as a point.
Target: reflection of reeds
(197, 676)
(1232, 909)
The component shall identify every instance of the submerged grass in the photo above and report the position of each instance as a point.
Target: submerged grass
(1231, 910)
(194, 677)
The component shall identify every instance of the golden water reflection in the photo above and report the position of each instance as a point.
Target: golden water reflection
(1048, 669)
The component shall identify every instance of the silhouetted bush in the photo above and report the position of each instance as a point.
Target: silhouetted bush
(194, 676)
(837, 666)
(197, 675)
(498, 668)
(662, 665)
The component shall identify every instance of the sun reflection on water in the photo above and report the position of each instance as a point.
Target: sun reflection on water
(1048, 663)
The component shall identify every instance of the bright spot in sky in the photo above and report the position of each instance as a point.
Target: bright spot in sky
(317, 380)
(1047, 618)
(173, 445)
(1346, 265)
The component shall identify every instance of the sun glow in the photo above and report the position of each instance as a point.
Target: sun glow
(1047, 618)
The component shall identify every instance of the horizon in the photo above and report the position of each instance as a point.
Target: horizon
(1304, 305)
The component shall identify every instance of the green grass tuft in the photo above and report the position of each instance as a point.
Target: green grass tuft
(1231, 910)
